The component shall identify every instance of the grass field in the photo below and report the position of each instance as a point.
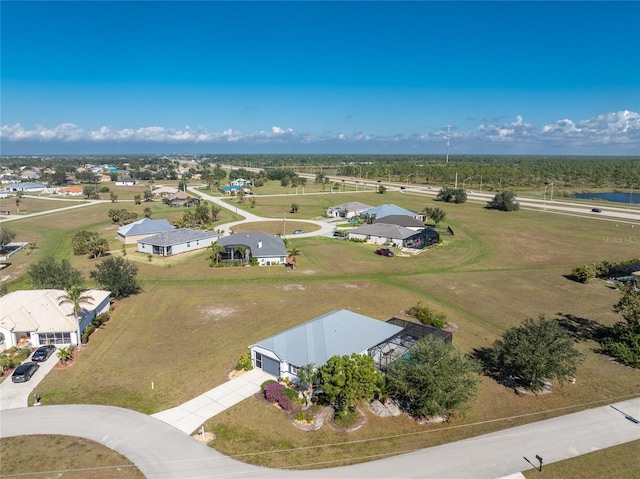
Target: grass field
(497, 270)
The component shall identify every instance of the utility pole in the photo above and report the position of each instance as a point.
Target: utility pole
(448, 138)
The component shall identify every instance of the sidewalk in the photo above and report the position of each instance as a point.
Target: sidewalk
(190, 415)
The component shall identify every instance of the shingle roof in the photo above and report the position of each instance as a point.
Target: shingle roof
(385, 231)
(340, 332)
(260, 244)
(351, 206)
(386, 210)
(400, 220)
(145, 226)
(178, 236)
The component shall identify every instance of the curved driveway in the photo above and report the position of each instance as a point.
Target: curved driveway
(163, 452)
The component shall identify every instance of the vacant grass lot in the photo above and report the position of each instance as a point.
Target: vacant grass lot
(191, 323)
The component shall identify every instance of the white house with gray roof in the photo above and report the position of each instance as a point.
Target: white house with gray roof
(177, 241)
(347, 210)
(338, 333)
(394, 235)
(133, 232)
(265, 248)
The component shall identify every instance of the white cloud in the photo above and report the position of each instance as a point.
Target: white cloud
(614, 132)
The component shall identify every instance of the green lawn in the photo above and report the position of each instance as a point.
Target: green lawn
(497, 270)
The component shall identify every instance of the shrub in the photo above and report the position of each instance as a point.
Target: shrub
(276, 392)
(265, 384)
(428, 316)
(244, 363)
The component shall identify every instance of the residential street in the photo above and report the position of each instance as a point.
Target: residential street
(163, 452)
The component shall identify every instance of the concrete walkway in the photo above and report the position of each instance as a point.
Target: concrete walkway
(190, 415)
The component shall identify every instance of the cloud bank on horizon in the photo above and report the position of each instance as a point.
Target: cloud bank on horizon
(616, 133)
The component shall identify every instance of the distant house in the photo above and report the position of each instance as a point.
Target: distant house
(241, 182)
(181, 199)
(394, 235)
(266, 249)
(36, 317)
(27, 187)
(127, 182)
(347, 210)
(388, 210)
(235, 189)
(401, 220)
(164, 191)
(176, 241)
(71, 191)
(141, 229)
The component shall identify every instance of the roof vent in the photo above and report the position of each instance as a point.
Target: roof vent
(259, 244)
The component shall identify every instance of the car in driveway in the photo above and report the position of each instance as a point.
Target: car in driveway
(340, 234)
(24, 372)
(298, 232)
(43, 352)
(385, 252)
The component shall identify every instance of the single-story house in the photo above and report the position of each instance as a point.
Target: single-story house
(398, 236)
(389, 209)
(401, 220)
(164, 191)
(266, 249)
(241, 182)
(338, 333)
(347, 210)
(127, 182)
(181, 199)
(133, 232)
(235, 189)
(177, 241)
(71, 190)
(36, 317)
(28, 187)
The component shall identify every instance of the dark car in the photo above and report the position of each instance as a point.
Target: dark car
(43, 352)
(596, 210)
(384, 252)
(24, 372)
(340, 234)
(403, 187)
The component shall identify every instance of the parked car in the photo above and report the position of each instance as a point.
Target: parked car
(298, 232)
(403, 187)
(43, 353)
(340, 234)
(24, 372)
(596, 210)
(384, 252)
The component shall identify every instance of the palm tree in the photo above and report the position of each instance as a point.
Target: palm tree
(76, 297)
(217, 251)
(243, 253)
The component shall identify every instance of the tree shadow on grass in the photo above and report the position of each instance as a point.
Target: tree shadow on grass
(489, 368)
(582, 329)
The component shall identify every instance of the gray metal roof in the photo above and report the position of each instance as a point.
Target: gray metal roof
(145, 226)
(386, 210)
(338, 333)
(179, 236)
(260, 244)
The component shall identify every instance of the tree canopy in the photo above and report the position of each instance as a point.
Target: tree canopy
(433, 378)
(51, 274)
(537, 350)
(117, 275)
(436, 214)
(504, 201)
(622, 340)
(346, 380)
(6, 237)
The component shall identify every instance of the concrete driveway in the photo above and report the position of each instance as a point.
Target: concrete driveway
(16, 395)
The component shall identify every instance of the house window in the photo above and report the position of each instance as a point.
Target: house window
(293, 369)
(54, 338)
(188, 244)
(259, 360)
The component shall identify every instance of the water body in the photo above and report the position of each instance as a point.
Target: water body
(614, 197)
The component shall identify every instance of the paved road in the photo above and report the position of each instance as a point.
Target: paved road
(163, 452)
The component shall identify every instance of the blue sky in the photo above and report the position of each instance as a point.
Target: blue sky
(320, 77)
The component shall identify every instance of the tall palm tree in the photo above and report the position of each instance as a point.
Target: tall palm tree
(76, 297)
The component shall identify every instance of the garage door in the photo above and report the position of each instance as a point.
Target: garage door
(271, 366)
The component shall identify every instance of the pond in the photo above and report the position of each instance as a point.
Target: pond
(611, 196)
